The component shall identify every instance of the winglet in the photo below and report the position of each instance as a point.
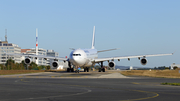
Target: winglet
(173, 52)
(72, 48)
(93, 38)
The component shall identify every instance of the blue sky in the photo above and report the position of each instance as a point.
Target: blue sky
(135, 26)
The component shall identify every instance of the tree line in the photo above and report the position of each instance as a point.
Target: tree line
(11, 65)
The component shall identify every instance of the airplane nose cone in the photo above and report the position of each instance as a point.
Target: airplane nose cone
(77, 57)
(77, 60)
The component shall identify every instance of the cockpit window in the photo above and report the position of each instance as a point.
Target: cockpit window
(76, 54)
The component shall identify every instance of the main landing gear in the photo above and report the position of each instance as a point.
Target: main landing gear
(101, 69)
(70, 69)
(86, 69)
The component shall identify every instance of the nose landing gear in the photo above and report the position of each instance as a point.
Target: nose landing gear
(77, 71)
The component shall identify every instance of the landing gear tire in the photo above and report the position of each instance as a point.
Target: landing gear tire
(85, 69)
(99, 70)
(77, 71)
(68, 69)
(72, 69)
(103, 69)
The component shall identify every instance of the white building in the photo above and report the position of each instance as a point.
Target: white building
(39, 61)
(52, 53)
(174, 65)
(9, 48)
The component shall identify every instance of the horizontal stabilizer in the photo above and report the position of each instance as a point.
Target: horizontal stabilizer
(72, 48)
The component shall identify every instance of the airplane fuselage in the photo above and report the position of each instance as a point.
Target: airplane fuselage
(83, 57)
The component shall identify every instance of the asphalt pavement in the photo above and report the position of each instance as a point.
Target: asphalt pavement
(88, 87)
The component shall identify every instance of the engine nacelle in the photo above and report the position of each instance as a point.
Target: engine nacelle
(27, 61)
(55, 64)
(111, 64)
(143, 61)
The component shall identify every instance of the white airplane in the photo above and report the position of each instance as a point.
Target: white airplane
(88, 57)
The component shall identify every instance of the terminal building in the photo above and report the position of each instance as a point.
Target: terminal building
(175, 65)
(62, 64)
(51, 53)
(42, 61)
(9, 48)
(6, 47)
(39, 61)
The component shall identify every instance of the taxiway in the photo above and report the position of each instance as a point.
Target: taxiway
(105, 87)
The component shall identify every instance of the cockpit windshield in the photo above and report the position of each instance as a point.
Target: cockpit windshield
(76, 54)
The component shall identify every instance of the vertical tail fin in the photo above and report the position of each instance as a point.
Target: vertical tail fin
(36, 41)
(36, 45)
(93, 39)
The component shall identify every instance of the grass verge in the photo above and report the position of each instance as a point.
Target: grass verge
(10, 72)
(153, 73)
(174, 84)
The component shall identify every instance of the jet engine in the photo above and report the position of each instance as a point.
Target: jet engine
(143, 61)
(55, 64)
(111, 64)
(27, 61)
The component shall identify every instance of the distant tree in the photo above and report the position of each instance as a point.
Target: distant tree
(9, 64)
(19, 66)
(48, 67)
(2, 66)
(33, 65)
(23, 65)
(30, 67)
(167, 68)
(155, 67)
(41, 67)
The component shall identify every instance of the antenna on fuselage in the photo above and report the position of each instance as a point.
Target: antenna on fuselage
(93, 38)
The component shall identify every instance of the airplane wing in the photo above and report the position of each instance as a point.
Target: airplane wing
(49, 57)
(39, 56)
(128, 57)
(107, 50)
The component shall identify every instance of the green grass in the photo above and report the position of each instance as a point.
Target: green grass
(174, 84)
(153, 73)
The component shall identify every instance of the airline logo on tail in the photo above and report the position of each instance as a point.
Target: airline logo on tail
(36, 37)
